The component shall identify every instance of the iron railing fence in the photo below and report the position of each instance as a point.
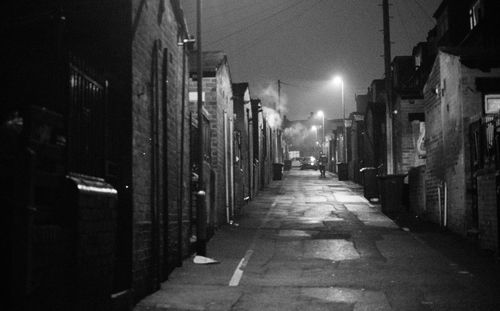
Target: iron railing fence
(86, 120)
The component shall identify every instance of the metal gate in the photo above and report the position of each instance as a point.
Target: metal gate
(87, 110)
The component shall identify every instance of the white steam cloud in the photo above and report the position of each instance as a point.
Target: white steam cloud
(273, 106)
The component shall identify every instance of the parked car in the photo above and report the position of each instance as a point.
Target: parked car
(297, 162)
(309, 163)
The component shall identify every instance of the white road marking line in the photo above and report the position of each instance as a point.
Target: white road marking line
(238, 273)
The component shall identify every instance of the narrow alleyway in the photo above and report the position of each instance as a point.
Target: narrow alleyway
(307, 243)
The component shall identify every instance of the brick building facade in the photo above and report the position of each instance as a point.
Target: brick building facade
(218, 102)
(115, 76)
(161, 219)
(243, 148)
(452, 103)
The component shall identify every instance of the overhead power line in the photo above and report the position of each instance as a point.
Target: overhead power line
(256, 23)
(426, 13)
(231, 25)
(296, 17)
(230, 10)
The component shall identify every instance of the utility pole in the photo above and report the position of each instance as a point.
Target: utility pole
(388, 87)
(279, 97)
(200, 206)
(279, 147)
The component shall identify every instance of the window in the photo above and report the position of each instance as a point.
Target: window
(492, 103)
(475, 14)
(193, 97)
(418, 61)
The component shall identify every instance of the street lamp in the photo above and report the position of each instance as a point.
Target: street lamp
(337, 80)
(322, 115)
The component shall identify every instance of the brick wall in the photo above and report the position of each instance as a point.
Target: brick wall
(404, 147)
(472, 101)
(218, 103)
(487, 211)
(453, 142)
(434, 173)
(241, 147)
(445, 142)
(448, 115)
(223, 144)
(121, 41)
(416, 180)
(95, 228)
(157, 239)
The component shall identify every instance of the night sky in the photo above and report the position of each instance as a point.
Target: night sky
(304, 43)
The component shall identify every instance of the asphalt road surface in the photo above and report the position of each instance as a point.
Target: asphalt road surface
(310, 243)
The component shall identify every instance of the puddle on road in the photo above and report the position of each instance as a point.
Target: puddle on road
(359, 208)
(327, 235)
(336, 250)
(333, 218)
(310, 221)
(296, 233)
(370, 216)
(382, 224)
(339, 187)
(316, 199)
(363, 300)
(319, 211)
(341, 197)
(376, 220)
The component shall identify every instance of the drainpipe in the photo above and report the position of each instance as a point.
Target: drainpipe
(440, 207)
(181, 168)
(226, 169)
(445, 190)
(201, 226)
(231, 167)
(249, 160)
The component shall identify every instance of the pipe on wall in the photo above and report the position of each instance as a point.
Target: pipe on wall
(440, 207)
(226, 166)
(445, 203)
(249, 155)
(231, 166)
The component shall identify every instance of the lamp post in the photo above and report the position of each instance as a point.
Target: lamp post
(337, 80)
(322, 115)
